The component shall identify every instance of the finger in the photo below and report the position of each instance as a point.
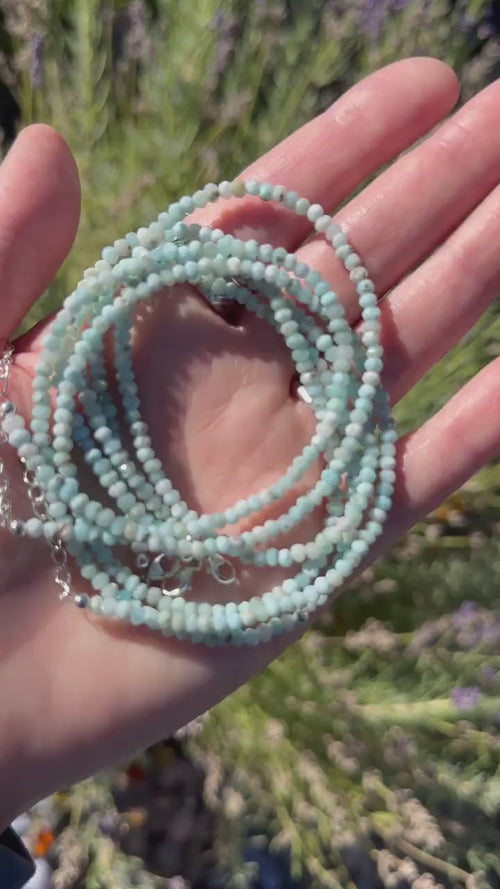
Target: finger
(409, 209)
(329, 156)
(434, 308)
(440, 456)
(39, 212)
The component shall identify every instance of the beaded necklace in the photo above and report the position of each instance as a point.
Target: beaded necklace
(339, 375)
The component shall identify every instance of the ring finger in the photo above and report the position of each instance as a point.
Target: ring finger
(397, 220)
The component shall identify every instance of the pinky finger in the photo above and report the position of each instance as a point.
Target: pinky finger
(448, 449)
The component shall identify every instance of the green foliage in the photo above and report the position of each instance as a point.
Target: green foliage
(356, 739)
(155, 106)
(385, 734)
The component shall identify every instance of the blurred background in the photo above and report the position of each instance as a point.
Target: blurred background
(368, 755)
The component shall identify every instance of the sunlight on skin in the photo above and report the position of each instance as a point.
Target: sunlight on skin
(77, 695)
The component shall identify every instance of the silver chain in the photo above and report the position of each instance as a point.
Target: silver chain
(5, 504)
(58, 551)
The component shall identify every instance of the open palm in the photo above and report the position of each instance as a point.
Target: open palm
(218, 393)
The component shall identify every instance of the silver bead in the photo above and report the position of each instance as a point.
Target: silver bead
(82, 600)
(17, 527)
(7, 408)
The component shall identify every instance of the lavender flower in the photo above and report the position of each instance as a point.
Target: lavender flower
(375, 13)
(488, 675)
(466, 698)
(475, 627)
(462, 616)
(226, 28)
(467, 22)
(373, 16)
(132, 40)
(36, 57)
(217, 19)
(108, 823)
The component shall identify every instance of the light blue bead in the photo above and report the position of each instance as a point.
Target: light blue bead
(233, 619)
(19, 437)
(151, 617)
(383, 502)
(284, 558)
(109, 590)
(81, 530)
(122, 609)
(370, 313)
(137, 616)
(96, 604)
(266, 192)
(100, 580)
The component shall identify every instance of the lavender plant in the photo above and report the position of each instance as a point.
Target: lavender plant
(159, 101)
(369, 754)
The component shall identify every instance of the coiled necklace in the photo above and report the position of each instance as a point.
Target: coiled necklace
(340, 376)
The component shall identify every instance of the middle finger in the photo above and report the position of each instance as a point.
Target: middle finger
(403, 215)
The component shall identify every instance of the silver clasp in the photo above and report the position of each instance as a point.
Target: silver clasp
(181, 569)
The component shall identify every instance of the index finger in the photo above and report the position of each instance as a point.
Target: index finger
(331, 155)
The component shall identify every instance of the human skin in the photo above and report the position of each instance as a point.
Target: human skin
(77, 695)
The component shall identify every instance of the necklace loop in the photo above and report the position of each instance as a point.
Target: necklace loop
(338, 375)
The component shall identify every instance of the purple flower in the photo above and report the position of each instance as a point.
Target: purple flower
(108, 823)
(225, 25)
(372, 19)
(136, 42)
(375, 13)
(36, 56)
(488, 675)
(466, 698)
(466, 610)
(217, 19)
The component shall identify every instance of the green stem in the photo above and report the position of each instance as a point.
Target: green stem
(429, 860)
(425, 712)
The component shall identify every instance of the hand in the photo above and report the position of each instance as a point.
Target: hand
(76, 695)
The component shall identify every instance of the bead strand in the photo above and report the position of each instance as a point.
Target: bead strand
(338, 371)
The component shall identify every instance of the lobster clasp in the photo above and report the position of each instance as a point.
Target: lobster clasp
(162, 568)
(222, 569)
